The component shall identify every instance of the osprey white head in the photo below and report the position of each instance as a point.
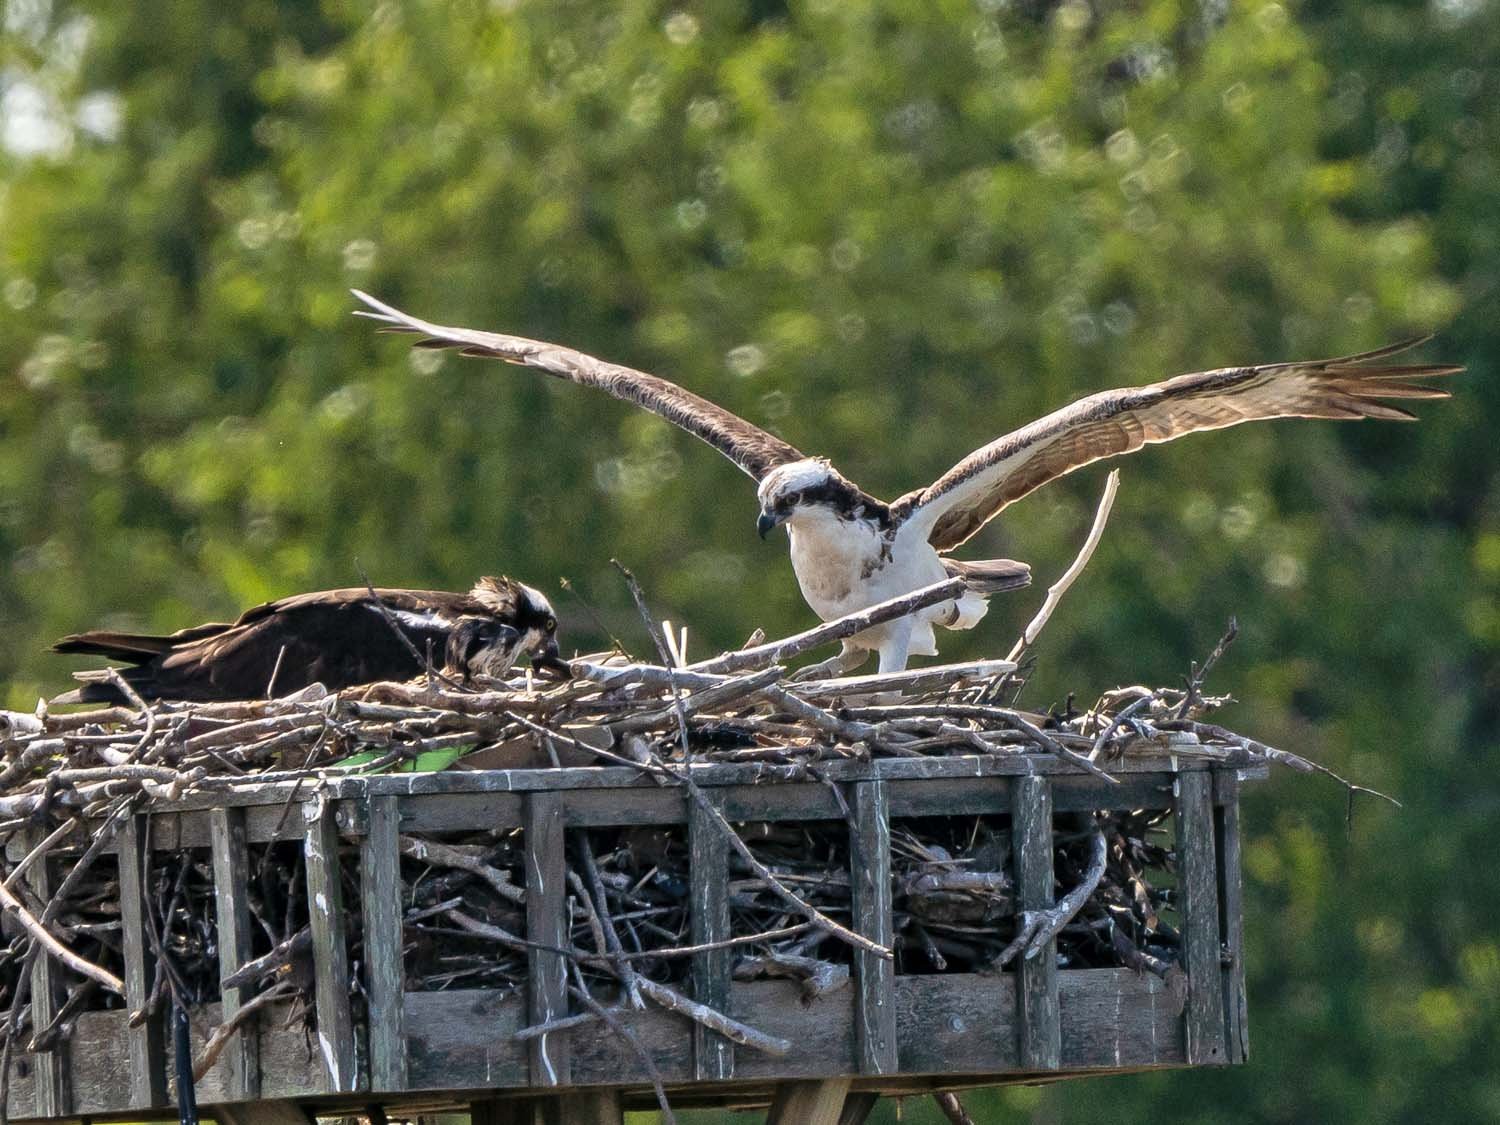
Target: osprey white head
(798, 485)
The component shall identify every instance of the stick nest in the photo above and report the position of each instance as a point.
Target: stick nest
(70, 781)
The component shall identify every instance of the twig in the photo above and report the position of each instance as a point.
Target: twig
(45, 1038)
(740, 1033)
(54, 948)
(1038, 927)
(600, 905)
(1113, 722)
(727, 943)
(1053, 746)
(567, 584)
(731, 1029)
(278, 960)
(932, 678)
(778, 652)
(430, 851)
(123, 686)
(801, 906)
(718, 696)
(221, 1034)
(1270, 754)
(1060, 587)
(1200, 672)
(562, 1023)
(423, 660)
(663, 653)
(276, 668)
(40, 850)
(953, 1109)
(580, 989)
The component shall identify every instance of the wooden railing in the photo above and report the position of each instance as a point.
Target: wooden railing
(888, 1033)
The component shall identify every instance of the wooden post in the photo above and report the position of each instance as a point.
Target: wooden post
(857, 1108)
(1198, 880)
(385, 977)
(593, 1107)
(1232, 913)
(50, 1079)
(263, 1113)
(809, 1103)
(870, 891)
(325, 899)
(231, 859)
(1038, 1017)
(708, 877)
(146, 1044)
(546, 924)
(503, 1111)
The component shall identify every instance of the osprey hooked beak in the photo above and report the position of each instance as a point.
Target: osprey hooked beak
(547, 660)
(769, 522)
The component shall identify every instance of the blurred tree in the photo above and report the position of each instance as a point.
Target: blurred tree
(889, 231)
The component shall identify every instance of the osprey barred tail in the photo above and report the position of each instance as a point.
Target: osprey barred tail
(338, 638)
(851, 550)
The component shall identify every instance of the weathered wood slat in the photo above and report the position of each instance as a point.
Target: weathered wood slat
(1232, 913)
(870, 900)
(98, 1046)
(231, 861)
(546, 925)
(380, 884)
(1037, 1019)
(146, 1044)
(809, 1103)
(708, 892)
(50, 1077)
(325, 898)
(953, 1025)
(462, 1039)
(1198, 878)
(957, 1022)
(466, 800)
(590, 808)
(715, 774)
(1118, 1020)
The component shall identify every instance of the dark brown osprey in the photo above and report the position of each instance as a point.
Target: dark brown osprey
(338, 638)
(851, 550)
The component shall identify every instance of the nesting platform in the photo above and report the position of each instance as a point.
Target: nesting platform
(886, 1033)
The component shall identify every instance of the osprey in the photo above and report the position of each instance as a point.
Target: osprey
(338, 638)
(851, 550)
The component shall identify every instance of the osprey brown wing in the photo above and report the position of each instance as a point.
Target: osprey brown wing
(975, 490)
(337, 637)
(748, 446)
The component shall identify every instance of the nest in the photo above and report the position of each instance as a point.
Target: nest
(69, 782)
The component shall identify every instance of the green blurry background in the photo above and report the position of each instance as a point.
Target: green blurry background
(890, 231)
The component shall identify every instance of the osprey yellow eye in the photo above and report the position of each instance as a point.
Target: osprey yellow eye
(551, 624)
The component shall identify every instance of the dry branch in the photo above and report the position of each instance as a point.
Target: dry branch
(1060, 587)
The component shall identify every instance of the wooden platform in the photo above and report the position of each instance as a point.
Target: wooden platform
(886, 1033)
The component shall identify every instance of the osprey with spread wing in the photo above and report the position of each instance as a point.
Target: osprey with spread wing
(851, 550)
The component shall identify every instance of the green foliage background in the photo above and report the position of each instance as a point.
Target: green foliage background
(890, 230)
